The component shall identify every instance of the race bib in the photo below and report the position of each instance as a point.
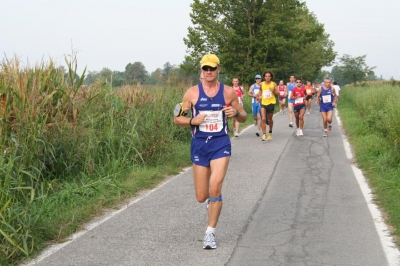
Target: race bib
(299, 100)
(308, 91)
(213, 122)
(290, 94)
(267, 94)
(281, 93)
(326, 98)
(240, 101)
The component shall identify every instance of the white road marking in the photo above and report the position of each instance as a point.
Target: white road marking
(91, 225)
(387, 241)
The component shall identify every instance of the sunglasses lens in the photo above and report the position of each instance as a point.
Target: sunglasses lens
(208, 68)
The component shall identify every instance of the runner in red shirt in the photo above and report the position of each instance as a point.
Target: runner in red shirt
(299, 106)
(239, 93)
(309, 90)
(282, 96)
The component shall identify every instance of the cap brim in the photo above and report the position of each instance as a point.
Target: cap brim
(211, 64)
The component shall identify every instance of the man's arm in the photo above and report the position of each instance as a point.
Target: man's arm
(334, 97)
(275, 91)
(184, 121)
(250, 93)
(235, 109)
(317, 98)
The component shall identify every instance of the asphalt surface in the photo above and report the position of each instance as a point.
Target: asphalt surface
(290, 201)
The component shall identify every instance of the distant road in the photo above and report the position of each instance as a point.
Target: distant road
(291, 201)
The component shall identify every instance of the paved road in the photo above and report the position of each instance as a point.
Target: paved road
(291, 201)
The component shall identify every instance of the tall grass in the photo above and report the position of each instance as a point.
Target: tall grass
(63, 145)
(371, 118)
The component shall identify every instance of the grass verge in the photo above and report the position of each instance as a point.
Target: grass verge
(371, 120)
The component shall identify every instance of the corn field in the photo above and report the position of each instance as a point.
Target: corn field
(60, 140)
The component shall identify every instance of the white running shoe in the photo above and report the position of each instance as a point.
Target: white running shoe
(236, 134)
(209, 241)
(298, 132)
(301, 133)
(308, 113)
(325, 133)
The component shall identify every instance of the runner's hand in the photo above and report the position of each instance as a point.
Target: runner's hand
(198, 119)
(229, 111)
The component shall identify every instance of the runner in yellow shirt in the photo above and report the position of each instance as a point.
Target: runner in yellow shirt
(267, 96)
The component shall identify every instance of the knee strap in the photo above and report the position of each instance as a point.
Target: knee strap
(216, 199)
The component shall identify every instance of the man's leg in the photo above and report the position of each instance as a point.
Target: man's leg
(325, 124)
(290, 110)
(296, 116)
(201, 176)
(301, 118)
(283, 105)
(218, 171)
(270, 121)
(208, 184)
(329, 115)
(263, 120)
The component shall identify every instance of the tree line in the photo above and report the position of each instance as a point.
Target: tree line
(136, 73)
(250, 36)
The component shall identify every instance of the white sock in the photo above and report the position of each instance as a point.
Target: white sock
(210, 230)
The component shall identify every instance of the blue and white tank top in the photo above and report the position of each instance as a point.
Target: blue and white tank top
(326, 96)
(290, 87)
(256, 89)
(215, 123)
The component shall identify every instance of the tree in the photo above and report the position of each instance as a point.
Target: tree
(135, 73)
(105, 74)
(352, 69)
(167, 68)
(118, 78)
(91, 77)
(250, 36)
(322, 74)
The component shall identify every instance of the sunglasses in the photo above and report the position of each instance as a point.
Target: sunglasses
(208, 68)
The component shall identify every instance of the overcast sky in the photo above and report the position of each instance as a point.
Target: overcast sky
(113, 33)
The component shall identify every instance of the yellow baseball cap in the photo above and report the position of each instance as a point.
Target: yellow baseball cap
(209, 60)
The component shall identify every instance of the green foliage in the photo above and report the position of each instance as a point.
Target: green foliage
(372, 123)
(63, 145)
(135, 73)
(352, 70)
(252, 35)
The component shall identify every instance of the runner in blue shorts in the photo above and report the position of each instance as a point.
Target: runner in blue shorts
(211, 103)
(326, 98)
(255, 103)
(299, 107)
(290, 86)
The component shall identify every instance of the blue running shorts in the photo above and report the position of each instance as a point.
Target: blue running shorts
(204, 150)
(255, 107)
(297, 108)
(324, 108)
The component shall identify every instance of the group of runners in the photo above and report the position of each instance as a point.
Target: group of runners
(211, 104)
(299, 96)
